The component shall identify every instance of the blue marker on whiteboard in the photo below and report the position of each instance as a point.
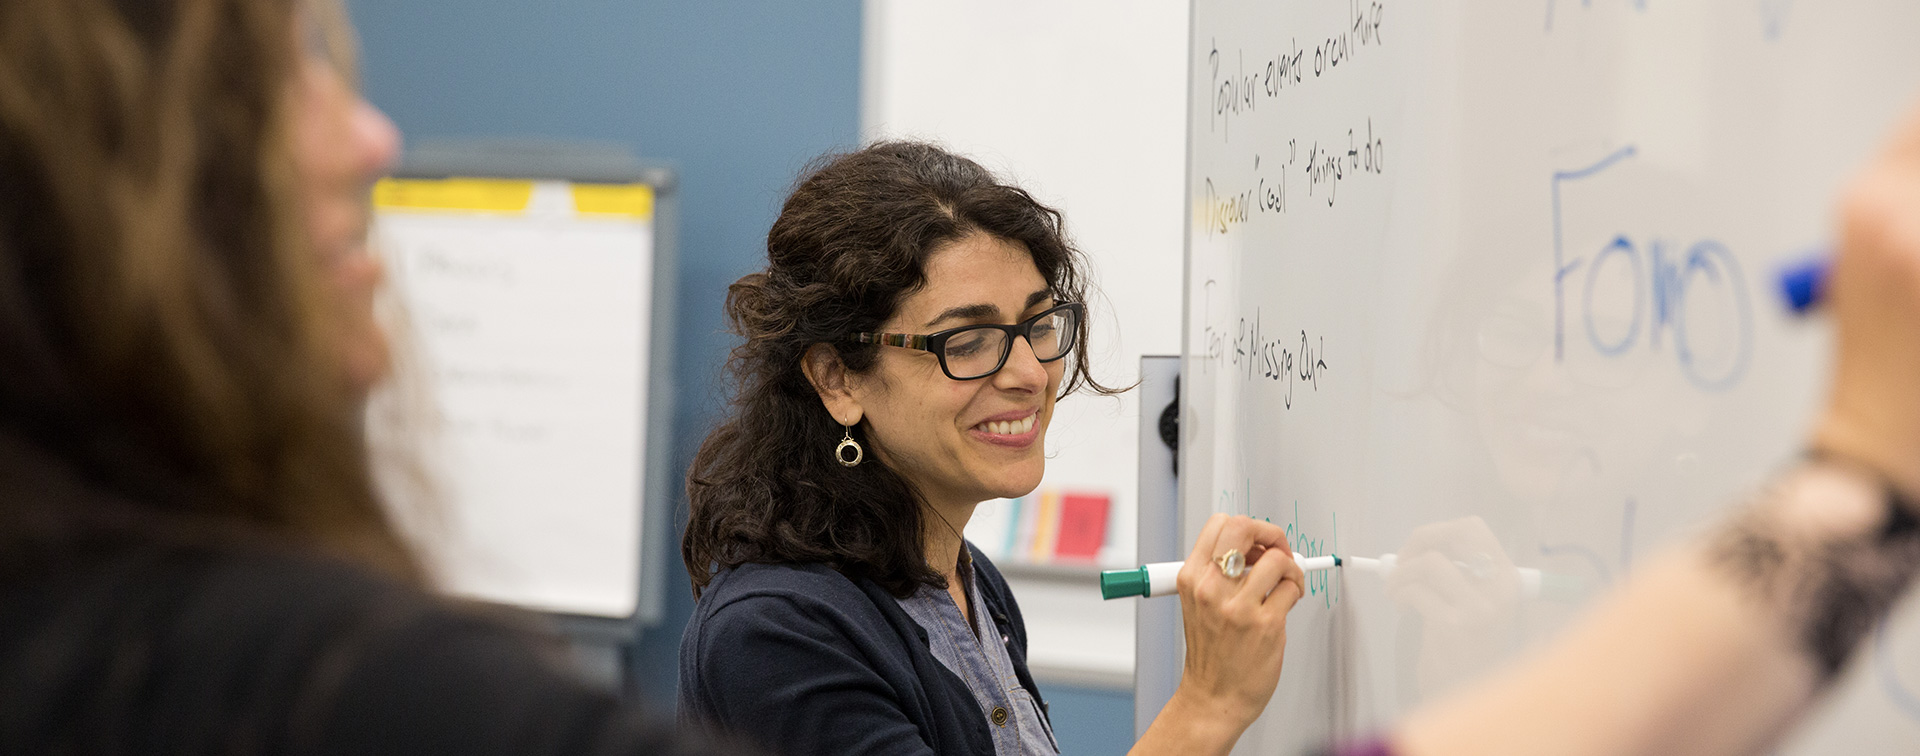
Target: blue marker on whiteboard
(1803, 284)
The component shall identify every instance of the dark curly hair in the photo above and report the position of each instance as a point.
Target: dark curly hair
(851, 242)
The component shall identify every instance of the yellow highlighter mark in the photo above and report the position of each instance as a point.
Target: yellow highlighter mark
(625, 200)
(454, 194)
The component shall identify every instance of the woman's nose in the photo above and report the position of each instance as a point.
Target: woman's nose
(377, 140)
(1023, 370)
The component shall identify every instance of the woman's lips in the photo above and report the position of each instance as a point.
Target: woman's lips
(1019, 433)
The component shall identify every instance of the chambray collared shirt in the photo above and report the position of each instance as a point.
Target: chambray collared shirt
(978, 656)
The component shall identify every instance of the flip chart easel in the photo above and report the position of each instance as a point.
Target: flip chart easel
(536, 284)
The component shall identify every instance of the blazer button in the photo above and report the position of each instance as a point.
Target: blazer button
(999, 716)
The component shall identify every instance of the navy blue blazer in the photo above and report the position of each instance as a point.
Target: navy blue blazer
(802, 660)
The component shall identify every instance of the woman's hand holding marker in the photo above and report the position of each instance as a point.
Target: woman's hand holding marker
(1236, 627)
(1874, 412)
(1236, 632)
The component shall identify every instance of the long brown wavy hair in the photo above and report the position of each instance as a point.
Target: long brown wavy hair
(164, 329)
(851, 242)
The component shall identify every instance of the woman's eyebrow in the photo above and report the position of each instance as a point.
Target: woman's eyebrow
(980, 311)
(971, 312)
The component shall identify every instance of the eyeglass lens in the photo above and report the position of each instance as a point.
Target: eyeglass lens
(977, 352)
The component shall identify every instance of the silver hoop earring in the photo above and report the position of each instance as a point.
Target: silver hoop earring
(840, 452)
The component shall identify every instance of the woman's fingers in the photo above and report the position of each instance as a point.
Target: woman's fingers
(1202, 574)
(1263, 576)
(1245, 533)
(1236, 628)
(1236, 534)
(1276, 580)
(1258, 543)
(1250, 536)
(1200, 561)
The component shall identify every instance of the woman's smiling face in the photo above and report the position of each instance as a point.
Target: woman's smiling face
(341, 146)
(963, 442)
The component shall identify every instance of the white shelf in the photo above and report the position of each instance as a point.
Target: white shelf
(1073, 636)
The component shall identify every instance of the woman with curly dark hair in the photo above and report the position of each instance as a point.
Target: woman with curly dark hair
(904, 347)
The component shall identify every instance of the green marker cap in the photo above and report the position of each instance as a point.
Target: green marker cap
(1122, 583)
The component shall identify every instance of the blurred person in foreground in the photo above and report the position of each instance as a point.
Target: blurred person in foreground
(193, 555)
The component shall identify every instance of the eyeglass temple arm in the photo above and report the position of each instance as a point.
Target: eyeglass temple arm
(907, 340)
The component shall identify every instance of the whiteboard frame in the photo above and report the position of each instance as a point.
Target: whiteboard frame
(1157, 628)
(591, 162)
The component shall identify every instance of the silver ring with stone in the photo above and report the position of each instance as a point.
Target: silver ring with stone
(1232, 564)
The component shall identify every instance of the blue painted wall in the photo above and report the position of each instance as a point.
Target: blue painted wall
(1090, 721)
(737, 95)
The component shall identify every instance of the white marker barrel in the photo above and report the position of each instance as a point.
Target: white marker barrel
(1159, 578)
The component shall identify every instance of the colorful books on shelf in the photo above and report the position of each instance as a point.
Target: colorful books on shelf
(1048, 526)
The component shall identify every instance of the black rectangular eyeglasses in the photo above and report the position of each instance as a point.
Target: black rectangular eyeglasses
(977, 351)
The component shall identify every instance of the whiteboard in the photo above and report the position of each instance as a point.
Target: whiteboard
(1489, 285)
(528, 307)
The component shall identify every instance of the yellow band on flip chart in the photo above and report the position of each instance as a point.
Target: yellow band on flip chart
(454, 194)
(627, 200)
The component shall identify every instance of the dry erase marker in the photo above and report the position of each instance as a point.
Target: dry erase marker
(1804, 284)
(1158, 579)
